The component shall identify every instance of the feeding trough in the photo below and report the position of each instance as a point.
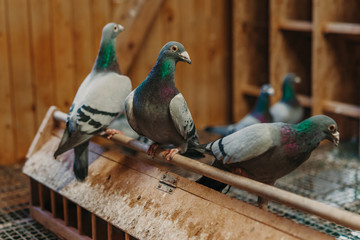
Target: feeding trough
(136, 197)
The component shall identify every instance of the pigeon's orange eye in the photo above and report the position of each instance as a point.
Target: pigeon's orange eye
(332, 128)
(174, 48)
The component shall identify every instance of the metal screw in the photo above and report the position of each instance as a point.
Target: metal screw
(170, 190)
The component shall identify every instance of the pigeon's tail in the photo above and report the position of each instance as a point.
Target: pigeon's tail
(71, 140)
(194, 150)
(211, 183)
(81, 161)
(220, 130)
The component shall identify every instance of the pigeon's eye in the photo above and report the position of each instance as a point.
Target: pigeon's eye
(174, 48)
(116, 28)
(332, 128)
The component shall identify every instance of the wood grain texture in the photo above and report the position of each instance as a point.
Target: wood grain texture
(21, 76)
(7, 128)
(83, 43)
(250, 37)
(289, 51)
(63, 42)
(335, 65)
(42, 57)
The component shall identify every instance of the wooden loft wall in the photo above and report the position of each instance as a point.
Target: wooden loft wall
(319, 40)
(47, 47)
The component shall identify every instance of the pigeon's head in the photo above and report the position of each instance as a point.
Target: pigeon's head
(176, 51)
(290, 79)
(111, 30)
(267, 89)
(326, 126)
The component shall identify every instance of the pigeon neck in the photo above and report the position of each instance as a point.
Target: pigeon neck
(164, 69)
(289, 95)
(106, 60)
(261, 110)
(308, 133)
(262, 103)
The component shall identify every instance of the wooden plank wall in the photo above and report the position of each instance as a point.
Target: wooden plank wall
(47, 47)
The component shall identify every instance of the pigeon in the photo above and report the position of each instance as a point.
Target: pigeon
(260, 114)
(157, 110)
(98, 101)
(288, 109)
(268, 151)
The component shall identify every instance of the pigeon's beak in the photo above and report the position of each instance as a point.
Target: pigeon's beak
(336, 138)
(121, 28)
(185, 57)
(297, 79)
(271, 91)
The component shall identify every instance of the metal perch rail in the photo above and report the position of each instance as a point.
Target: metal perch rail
(333, 214)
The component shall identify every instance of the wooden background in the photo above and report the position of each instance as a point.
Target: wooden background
(47, 47)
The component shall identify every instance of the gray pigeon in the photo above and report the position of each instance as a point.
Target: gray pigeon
(260, 114)
(288, 109)
(157, 110)
(268, 151)
(98, 101)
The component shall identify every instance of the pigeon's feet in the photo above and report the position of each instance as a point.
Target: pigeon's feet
(152, 149)
(112, 132)
(169, 154)
(240, 172)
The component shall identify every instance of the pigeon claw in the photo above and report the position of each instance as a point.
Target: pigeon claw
(169, 154)
(112, 132)
(240, 172)
(152, 149)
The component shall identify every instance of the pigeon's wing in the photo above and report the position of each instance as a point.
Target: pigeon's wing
(130, 113)
(245, 144)
(181, 117)
(102, 103)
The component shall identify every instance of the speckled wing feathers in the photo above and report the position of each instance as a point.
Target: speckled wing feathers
(181, 117)
(250, 142)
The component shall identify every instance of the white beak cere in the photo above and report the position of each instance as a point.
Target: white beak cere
(185, 56)
(336, 138)
(271, 91)
(297, 79)
(121, 28)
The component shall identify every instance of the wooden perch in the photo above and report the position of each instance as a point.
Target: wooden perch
(336, 215)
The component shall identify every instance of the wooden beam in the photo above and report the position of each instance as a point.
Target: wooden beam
(345, 109)
(295, 25)
(342, 28)
(55, 225)
(133, 36)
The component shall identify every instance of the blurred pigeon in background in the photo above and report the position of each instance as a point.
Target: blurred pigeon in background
(98, 101)
(156, 109)
(260, 114)
(268, 151)
(288, 109)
